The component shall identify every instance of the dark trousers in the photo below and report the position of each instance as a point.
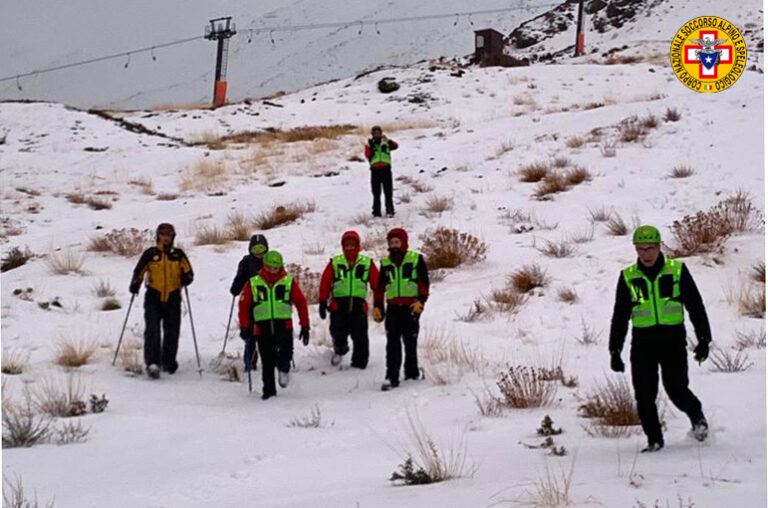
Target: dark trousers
(157, 351)
(382, 177)
(276, 349)
(646, 357)
(355, 324)
(402, 331)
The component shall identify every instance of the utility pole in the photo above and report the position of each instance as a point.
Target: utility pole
(580, 30)
(221, 30)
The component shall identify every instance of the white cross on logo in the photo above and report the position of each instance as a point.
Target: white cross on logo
(725, 55)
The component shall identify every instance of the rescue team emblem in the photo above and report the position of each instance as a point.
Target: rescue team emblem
(708, 54)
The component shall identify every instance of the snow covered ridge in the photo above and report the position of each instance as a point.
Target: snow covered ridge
(634, 130)
(638, 29)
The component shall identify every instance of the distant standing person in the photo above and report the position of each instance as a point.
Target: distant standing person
(377, 151)
(404, 281)
(249, 267)
(167, 269)
(652, 292)
(266, 316)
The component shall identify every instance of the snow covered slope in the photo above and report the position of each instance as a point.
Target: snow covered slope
(191, 442)
(80, 30)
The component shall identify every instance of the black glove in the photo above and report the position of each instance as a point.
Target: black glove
(186, 278)
(617, 365)
(134, 287)
(701, 351)
(323, 310)
(304, 335)
(245, 334)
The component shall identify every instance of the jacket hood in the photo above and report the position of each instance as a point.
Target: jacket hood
(258, 240)
(401, 234)
(271, 278)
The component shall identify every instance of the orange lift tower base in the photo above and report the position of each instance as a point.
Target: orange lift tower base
(221, 30)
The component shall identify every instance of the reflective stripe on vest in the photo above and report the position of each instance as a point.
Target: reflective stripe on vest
(381, 153)
(350, 282)
(655, 310)
(403, 280)
(271, 302)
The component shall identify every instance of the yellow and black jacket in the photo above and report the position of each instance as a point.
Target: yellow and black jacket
(168, 269)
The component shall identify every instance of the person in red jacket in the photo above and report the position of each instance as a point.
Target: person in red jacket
(266, 316)
(345, 281)
(377, 152)
(404, 280)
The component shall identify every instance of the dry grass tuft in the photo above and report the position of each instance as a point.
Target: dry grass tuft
(312, 421)
(754, 339)
(238, 227)
(560, 249)
(649, 122)
(681, 171)
(110, 303)
(438, 204)
(145, 185)
(507, 300)
(615, 226)
(534, 172)
(528, 278)
(441, 347)
(561, 162)
(671, 115)
(15, 361)
(722, 360)
(751, 302)
(567, 295)
(589, 336)
(708, 231)
(551, 184)
(577, 175)
(611, 403)
(303, 133)
(23, 427)
(283, 214)
(758, 272)
(449, 248)
(600, 215)
(167, 196)
(98, 203)
(362, 219)
(307, 279)
(64, 262)
(477, 311)
(72, 352)
(575, 142)
(15, 258)
(206, 175)
(124, 242)
(550, 491)
(210, 235)
(103, 289)
(526, 386)
(130, 360)
(13, 493)
(60, 396)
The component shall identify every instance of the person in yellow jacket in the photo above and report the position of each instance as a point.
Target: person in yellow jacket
(166, 270)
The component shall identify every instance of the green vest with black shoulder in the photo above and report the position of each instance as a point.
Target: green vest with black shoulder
(350, 281)
(271, 302)
(381, 153)
(649, 308)
(403, 280)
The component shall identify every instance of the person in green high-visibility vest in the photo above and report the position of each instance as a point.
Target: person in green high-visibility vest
(378, 153)
(652, 293)
(345, 281)
(266, 317)
(404, 280)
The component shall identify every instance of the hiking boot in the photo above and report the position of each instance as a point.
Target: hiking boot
(336, 359)
(171, 367)
(283, 378)
(153, 371)
(267, 395)
(416, 377)
(388, 385)
(700, 430)
(653, 447)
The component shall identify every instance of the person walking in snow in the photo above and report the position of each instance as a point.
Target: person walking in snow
(345, 281)
(652, 293)
(249, 267)
(404, 280)
(166, 269)
(377, 152)
(266, 317)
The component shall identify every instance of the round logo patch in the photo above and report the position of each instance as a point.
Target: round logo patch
(708, 54)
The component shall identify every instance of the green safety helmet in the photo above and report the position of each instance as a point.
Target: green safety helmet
(274, 259)
(646, 234)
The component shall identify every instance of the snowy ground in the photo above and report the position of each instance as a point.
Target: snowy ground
(191, 442)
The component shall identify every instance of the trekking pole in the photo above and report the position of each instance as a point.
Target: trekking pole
(194, 338)
(120, 341)
(229, 321)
